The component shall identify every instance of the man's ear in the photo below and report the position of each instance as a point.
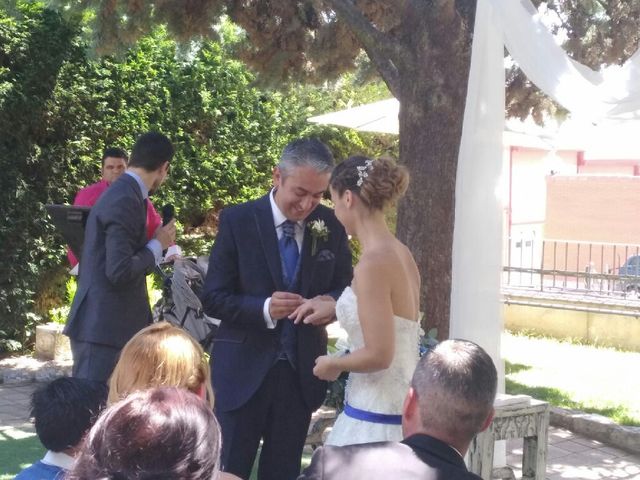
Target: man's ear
(411, 420)
(164, 168)
(410, 406)
(276, 176)
(488, 420)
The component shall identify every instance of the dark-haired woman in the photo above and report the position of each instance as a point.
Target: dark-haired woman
(159, 433)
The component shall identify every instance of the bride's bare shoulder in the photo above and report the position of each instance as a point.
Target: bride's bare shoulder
(377, 261)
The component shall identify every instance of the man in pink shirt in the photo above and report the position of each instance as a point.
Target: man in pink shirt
(114, 163)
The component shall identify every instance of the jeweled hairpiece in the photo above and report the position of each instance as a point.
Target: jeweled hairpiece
(363, 171)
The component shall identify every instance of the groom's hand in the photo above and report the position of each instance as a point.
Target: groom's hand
(284, 304)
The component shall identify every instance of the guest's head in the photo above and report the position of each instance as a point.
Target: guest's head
(114, 163)
(151, 156)
(64, 411)
(161, 355)
(152, 434)
(452, 394)
(301, 177)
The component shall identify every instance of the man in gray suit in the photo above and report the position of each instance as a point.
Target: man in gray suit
(449, 402)
(111, 303)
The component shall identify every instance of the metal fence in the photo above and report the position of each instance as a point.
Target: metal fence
(560, 265)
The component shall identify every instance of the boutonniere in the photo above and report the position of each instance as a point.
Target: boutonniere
(318, 231)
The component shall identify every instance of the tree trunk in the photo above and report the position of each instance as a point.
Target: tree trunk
(431, 116)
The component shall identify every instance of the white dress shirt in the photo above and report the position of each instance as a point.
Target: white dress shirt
(58, 459)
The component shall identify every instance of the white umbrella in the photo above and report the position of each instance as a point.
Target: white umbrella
(379, 117)
(382, 117)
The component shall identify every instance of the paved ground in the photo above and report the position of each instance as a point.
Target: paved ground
(570, 456)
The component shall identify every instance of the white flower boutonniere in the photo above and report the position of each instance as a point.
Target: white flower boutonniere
(318, 231)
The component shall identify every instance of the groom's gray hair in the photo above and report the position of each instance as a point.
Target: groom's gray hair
(456, 386)
(306, 152)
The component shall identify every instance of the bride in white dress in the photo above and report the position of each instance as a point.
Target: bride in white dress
(380, 309)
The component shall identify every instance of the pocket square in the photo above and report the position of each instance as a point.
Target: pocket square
(325, 255)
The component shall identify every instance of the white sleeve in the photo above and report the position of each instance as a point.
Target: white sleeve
(267, 316)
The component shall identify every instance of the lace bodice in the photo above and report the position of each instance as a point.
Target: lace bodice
(381, 391)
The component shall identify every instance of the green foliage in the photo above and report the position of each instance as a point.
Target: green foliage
(59, 108)
(32, 53)
(60, 313)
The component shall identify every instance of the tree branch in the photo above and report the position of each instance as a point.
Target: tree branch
(382, 49)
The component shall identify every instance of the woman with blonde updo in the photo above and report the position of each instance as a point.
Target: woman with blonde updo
(379, 310)
(161, 355)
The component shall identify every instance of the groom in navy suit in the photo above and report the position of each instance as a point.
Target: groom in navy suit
(267, 259)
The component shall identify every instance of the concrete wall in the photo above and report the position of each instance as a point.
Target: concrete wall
(609, 330)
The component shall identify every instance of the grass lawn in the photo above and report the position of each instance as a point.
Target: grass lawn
(592, 379)
(18, 450)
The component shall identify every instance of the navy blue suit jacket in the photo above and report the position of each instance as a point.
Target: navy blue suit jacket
(111, 303)
(244, 270)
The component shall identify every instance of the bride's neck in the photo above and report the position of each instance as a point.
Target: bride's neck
(372, 229)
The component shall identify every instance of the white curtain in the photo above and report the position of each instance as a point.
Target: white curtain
(612, 92)
(477, 238)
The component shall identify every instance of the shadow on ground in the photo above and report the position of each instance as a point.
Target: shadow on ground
(510, 368)
(558, 398)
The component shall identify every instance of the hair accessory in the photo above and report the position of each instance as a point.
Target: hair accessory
(363, 171)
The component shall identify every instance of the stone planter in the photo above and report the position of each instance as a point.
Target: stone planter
(51, 344)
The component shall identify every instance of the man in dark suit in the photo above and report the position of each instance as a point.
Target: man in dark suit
(449, 402)
(111, 303)
(267, 259)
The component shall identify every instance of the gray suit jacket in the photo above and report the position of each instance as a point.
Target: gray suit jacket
(111, 303)
(419, 457)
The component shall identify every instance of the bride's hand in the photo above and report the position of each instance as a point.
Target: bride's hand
(325, 368)
(319, 310)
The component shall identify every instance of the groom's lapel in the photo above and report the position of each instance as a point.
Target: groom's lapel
(308, 264)
(269, 240)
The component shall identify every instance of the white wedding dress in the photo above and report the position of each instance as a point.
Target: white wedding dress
(381, 392)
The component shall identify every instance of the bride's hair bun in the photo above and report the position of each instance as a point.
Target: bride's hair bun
(379, 183)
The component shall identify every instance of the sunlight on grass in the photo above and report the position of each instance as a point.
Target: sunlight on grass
(581, 377)
(18, 450)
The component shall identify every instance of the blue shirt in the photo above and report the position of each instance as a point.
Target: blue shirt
(41, 471)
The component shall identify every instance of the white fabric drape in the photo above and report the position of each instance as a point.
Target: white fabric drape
(589, 95)
(586, 93)
(477, 238)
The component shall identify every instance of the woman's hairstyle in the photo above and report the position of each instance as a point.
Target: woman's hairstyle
(153, 434)
(160, 355)
(379, 183)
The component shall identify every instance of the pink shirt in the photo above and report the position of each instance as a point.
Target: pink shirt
(88, 196)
